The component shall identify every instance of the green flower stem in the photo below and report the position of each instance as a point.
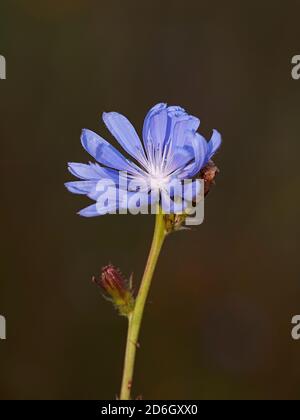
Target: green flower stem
(135, 318)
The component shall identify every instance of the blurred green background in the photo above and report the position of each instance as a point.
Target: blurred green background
(218, 322)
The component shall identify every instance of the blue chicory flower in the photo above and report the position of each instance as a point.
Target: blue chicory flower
(171, 150)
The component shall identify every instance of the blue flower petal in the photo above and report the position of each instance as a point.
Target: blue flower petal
(180, 157)
(124, 201)
(213, 144)
(154, 110)
(94, 188)
(90, 211)
(199, 145)
(105, 153)
(159, 127)
(84, 171)
(81, 187)
(124, 132)
(167, 128)
(182, 128)
(176, 111)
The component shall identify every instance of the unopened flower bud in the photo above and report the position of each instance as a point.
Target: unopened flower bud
(116, 288)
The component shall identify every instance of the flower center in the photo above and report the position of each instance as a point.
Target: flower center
(159, 181)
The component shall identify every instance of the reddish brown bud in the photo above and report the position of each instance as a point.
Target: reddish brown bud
(208, 174)
(111, 279)
(116, 288)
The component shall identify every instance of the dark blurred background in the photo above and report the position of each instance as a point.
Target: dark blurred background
(218, 322)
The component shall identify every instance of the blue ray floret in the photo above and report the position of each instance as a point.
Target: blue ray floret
(172, 149)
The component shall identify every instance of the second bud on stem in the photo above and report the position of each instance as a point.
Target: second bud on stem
(116, 288)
